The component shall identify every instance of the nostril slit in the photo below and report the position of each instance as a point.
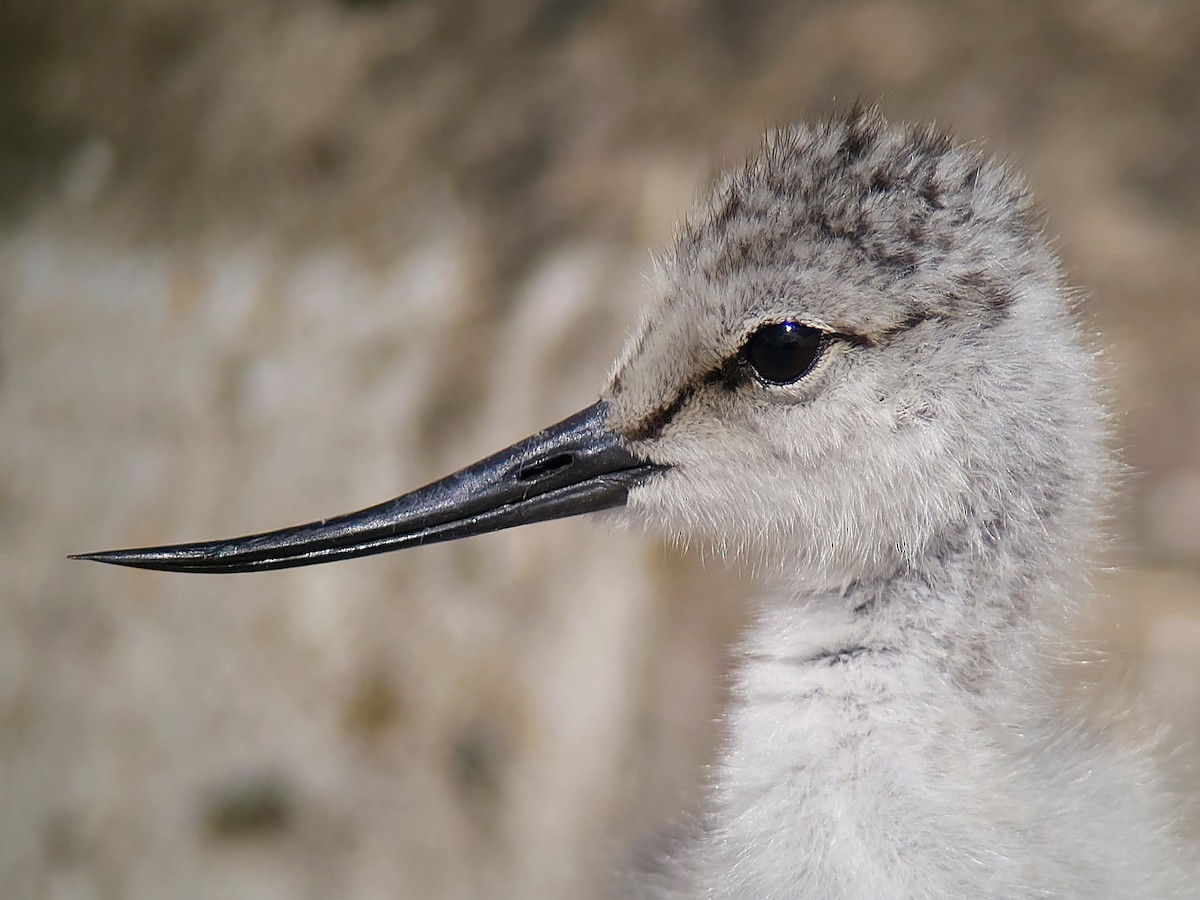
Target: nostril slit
(545, 467)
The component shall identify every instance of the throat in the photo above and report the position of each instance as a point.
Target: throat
(984, 624)
(866, 732)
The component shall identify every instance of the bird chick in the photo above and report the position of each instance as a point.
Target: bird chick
(859, 369)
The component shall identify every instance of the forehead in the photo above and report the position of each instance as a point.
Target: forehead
(852, 226)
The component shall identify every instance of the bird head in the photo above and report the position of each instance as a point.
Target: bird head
(857, 354)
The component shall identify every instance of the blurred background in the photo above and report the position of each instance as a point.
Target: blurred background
(263, 262)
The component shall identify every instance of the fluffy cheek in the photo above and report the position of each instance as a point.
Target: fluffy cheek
(830, 517)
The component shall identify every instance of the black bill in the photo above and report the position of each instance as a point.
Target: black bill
(574, 467)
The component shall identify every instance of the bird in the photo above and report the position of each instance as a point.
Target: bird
(860, 367)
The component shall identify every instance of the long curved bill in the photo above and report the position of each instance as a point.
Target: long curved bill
(574, 467)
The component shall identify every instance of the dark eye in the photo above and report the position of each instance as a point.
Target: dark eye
(784, 352)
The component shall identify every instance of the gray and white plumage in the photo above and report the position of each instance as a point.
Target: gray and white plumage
(922, 502)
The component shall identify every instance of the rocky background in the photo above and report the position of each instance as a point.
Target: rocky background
(262, 262)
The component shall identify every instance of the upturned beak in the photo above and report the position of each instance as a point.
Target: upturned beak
(574, 467)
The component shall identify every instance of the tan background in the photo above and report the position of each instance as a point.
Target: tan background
(261, 262)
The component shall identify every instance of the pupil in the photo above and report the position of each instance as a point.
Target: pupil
(784, 352)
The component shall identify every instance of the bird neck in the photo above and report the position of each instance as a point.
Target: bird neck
(978, 617)
(876, 719)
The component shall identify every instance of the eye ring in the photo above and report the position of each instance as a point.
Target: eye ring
(781, 353)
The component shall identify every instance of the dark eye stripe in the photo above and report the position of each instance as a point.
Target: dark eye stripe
(731, 373)
(654, 423)
(726, 373)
